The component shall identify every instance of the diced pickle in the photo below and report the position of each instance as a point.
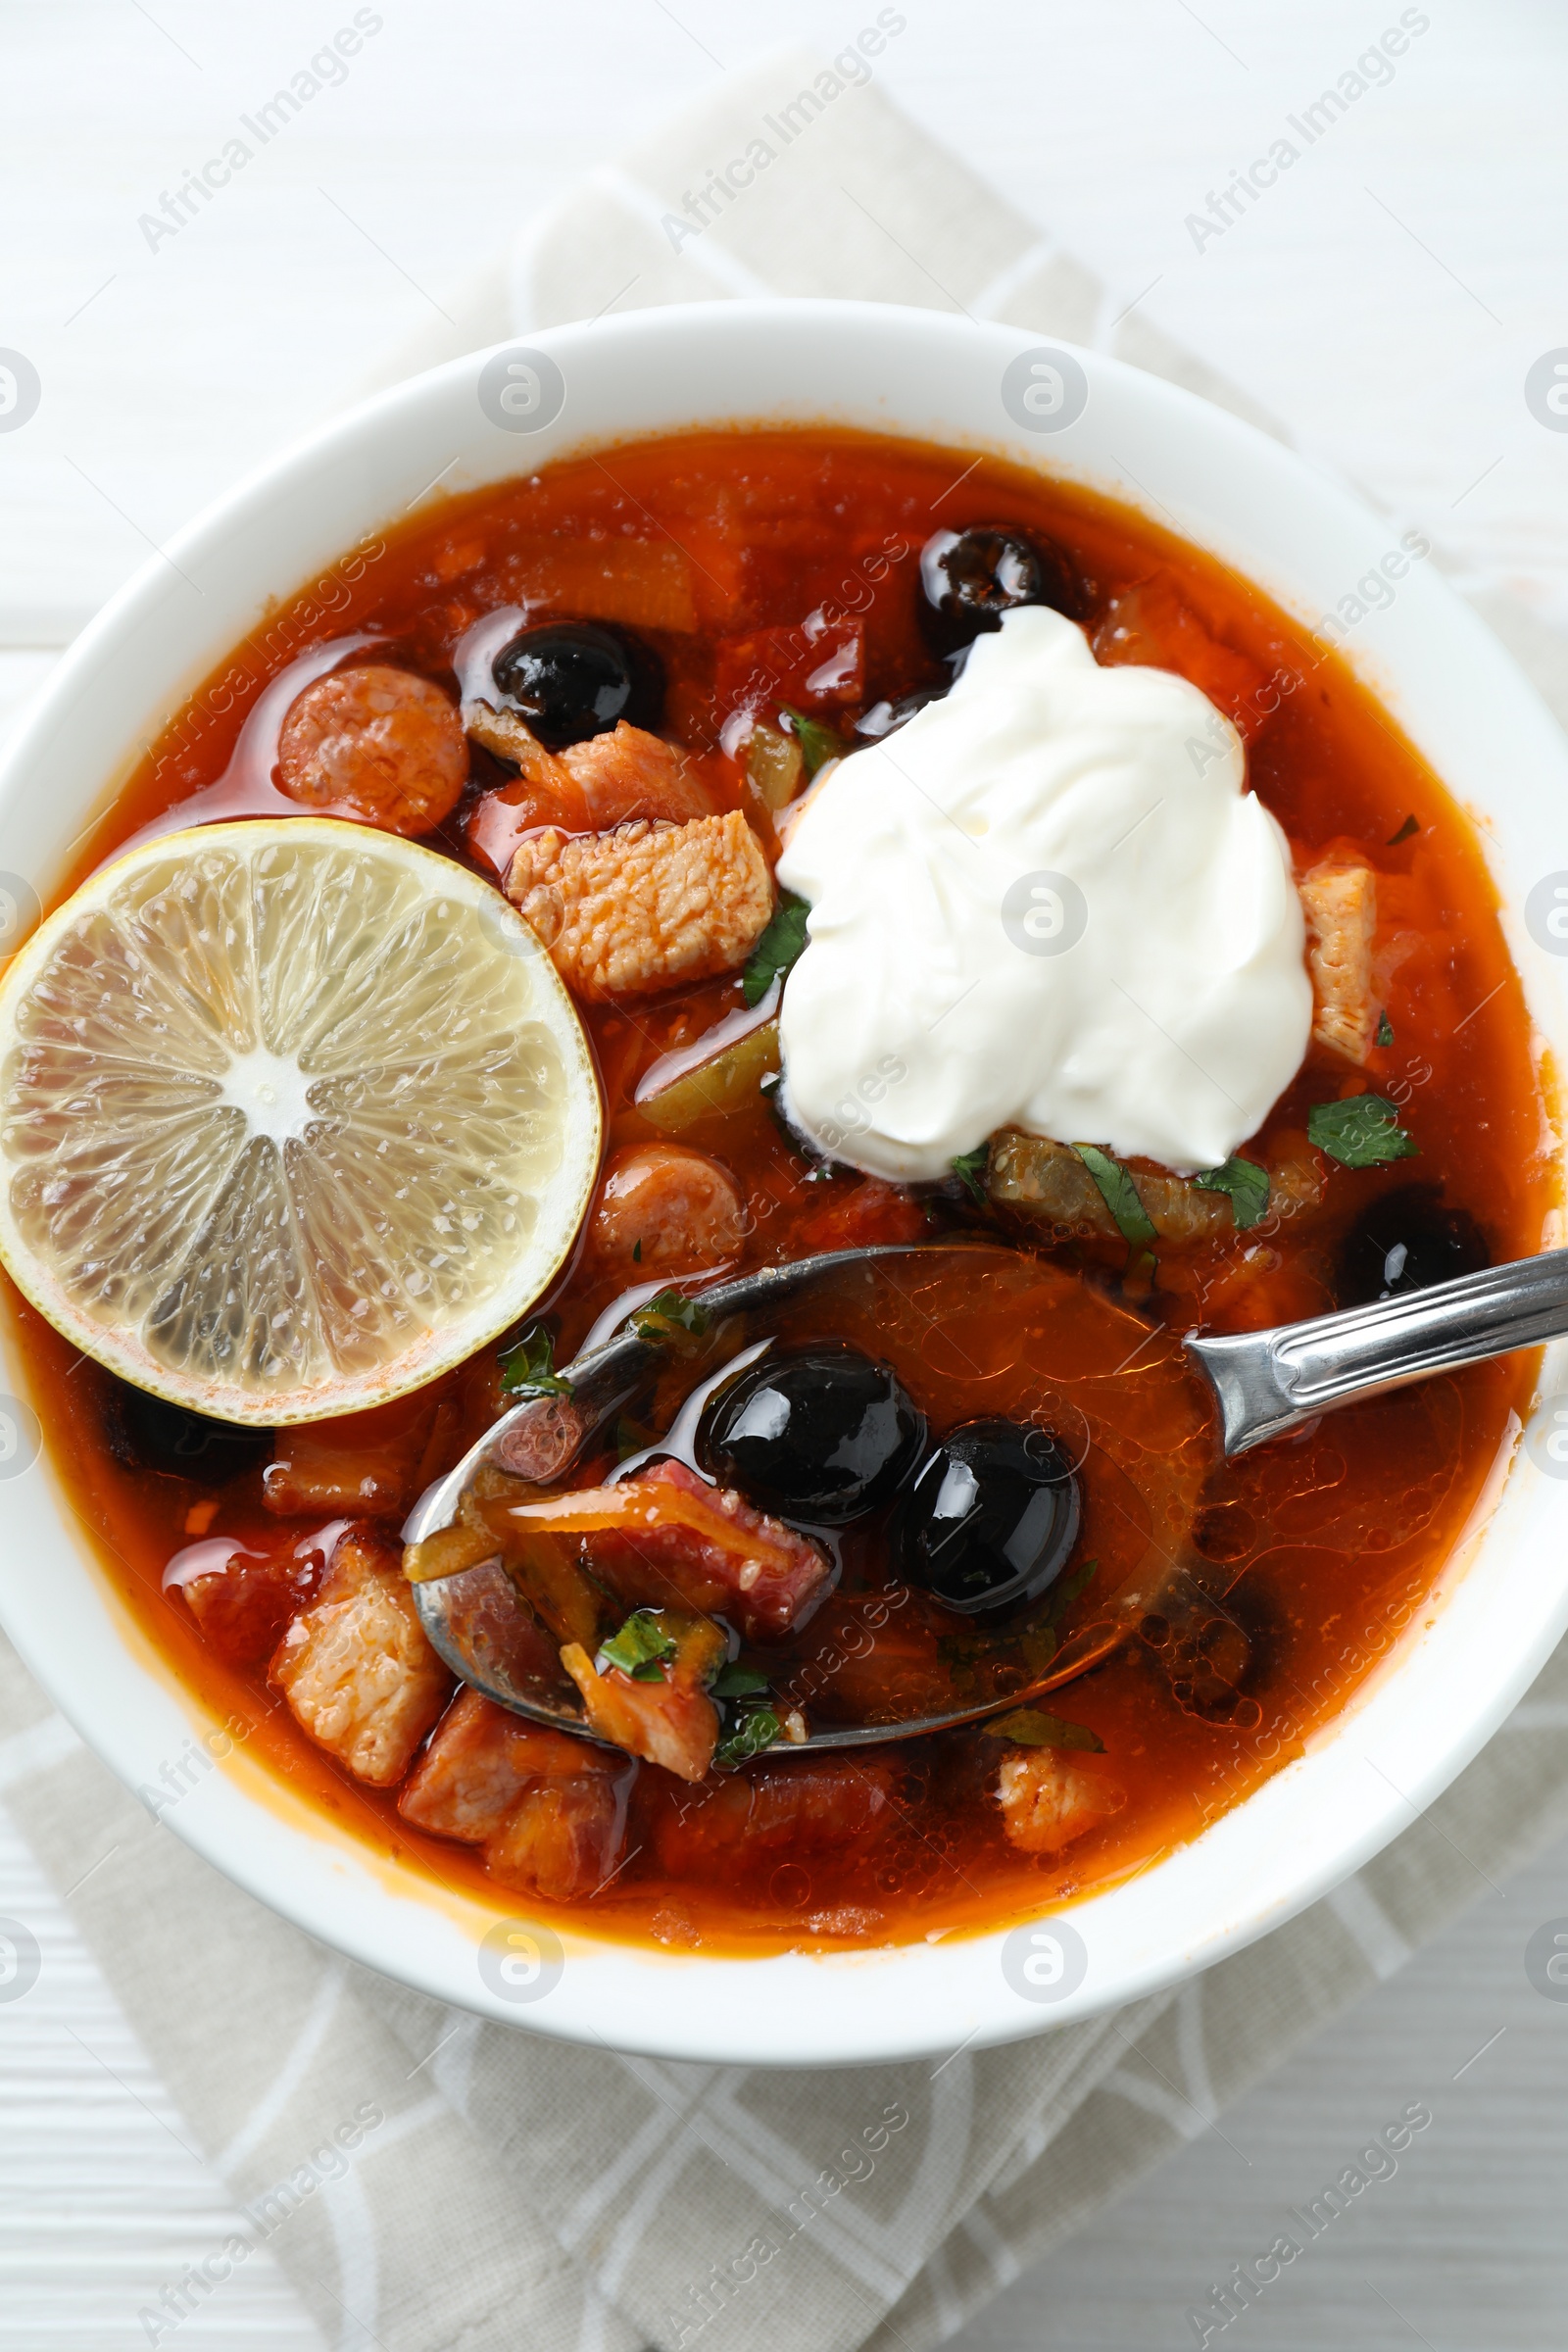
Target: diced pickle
(1048, 1179)
(775, 765)
(729, 1082)
(1180, 1212)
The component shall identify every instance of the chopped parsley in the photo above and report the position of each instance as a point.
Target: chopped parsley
(1385, 1036)
(752, 1733)
(1120, 1193)
(970, 1169)
(1031, 1727)
(666, 1308)
(528, 1367)
(819, 744)
(1408, 827)
(782, 944)
(639, 1649)
(737, 1681)
(637, 1253)
(1361, 1131)
(1245, 1186)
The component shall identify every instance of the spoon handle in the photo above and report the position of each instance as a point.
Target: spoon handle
(1270, 1381)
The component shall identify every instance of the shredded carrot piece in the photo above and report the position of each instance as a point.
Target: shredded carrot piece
(632, 1506)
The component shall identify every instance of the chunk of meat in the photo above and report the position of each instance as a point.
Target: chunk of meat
(549, 1810)
(480, 1760)
(495, 1626)
(1340, 903)
(680, 1212)
(629, 774)
(587, 788)
(670, 1536)
(563, 1840)
(356, 1668)
(374, 1465)
(243, 1594)
(668, 1718)
(795, 1810)
(635, 910)
(378, 743)
(1046, 1802)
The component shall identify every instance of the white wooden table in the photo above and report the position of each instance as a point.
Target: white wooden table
(1386, 299)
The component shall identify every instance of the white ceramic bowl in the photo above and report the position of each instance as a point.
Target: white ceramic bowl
(1504, 1601)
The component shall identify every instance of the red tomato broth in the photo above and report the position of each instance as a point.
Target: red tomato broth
(717, 547)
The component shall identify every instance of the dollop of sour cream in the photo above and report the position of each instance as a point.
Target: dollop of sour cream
(1048, 901)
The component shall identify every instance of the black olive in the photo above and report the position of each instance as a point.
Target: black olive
(992, 1518)
(819, 1434)
(146, 1433)
(970, 578)
(574, 678)
(1406, 1241)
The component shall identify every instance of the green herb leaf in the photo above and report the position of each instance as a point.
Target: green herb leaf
(1031, 1727)
(1067, 1588)
(1245, 1184)
(639, 1649)
(752, 1735)
(637, 1253)
(1361, 1131)
(1037, 1645)
(781, 944)
(528, 1368)
(819, 744)
(737, 1681)
(1120, 1193)
(970, 1169)
(1385, 1036)
(1408, 827)
(655, 1317)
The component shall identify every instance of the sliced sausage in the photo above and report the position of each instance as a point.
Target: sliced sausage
(379, 743)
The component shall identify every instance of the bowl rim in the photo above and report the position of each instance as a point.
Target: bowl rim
(1503, 1601)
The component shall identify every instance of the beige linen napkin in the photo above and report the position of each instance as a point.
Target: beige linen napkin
(437, 2184)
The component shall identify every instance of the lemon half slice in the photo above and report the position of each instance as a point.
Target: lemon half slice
(295, 1115)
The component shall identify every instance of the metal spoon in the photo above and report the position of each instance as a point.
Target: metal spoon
(1265, 1383)
(1268, 1382)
